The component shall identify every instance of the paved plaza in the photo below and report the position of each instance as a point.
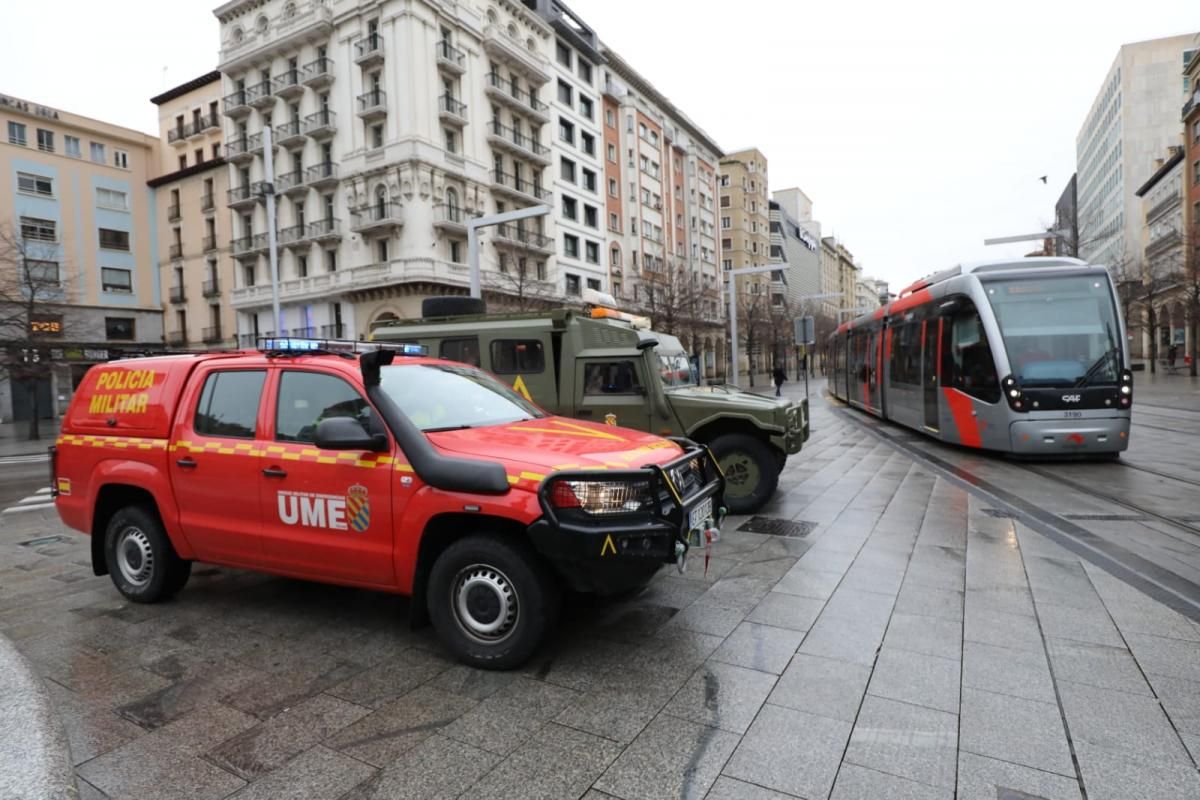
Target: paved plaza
(935, 624)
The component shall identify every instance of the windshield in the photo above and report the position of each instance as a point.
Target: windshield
(449, 397)
(1058, 331)
(676, 369)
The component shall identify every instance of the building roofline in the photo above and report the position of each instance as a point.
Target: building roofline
(184, 88)
(186, 172)
(1175, 157)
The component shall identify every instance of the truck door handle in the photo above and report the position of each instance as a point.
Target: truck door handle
(275, 472)
(583, 412)
(186, 463)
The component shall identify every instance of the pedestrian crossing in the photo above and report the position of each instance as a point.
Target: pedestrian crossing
(39, 500)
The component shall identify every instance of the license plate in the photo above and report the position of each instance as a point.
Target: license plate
(700, 515)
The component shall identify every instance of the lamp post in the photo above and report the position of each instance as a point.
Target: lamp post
(473, 226)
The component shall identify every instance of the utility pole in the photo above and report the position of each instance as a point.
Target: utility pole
(473, 226)
(272, 244)
(733, 328)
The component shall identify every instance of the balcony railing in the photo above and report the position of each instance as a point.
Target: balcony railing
(293, 234)
(521, 185)
(176, 250)
(287, 83)
(210, 243)
(376, 215)
(321, 123)
(206, 122)
(323, 229)
(527, 143)
(207, 203)
(177, 134)
(244, 193)
(450, 56)
(260, 95)
(237, 147)
(448, 104)
(212, 334)
(1192, 102)
(444, 214)
(178, 295)
(333, 331)
(526, 100)
(176, 338)
(320, 174)
(247, 245)
(317, 73)
(172, 212)
(533, 239)
(212, 288)
(289, 131)
(238, 102)
(368, 48)
(372, 102)
(290, 181)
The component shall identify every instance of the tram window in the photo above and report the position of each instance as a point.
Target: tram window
(906, 354)
(967, 362)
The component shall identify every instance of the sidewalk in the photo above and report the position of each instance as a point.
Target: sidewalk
(14, 438)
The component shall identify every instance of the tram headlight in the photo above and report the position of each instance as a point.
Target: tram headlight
(1126, 389)
(1014, 393)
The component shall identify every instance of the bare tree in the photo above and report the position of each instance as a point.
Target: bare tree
(31, 319)
(1188, 277)
(1158, 278)
(674, 301)
(521, 282)
(754, 324)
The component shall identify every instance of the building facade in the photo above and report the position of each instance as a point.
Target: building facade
(1163, 242)
(1066, 221)
(792, 244)
(1133, 119)
(191, 191)
(1191, 144)
(78, 218)
(744, 211)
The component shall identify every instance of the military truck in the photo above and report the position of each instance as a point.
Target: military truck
(604, 365)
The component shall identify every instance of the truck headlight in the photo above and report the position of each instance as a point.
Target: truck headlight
(602, 497)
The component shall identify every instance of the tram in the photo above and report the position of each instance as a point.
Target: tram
(1023, 356)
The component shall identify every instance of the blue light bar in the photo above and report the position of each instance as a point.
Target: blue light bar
(289, 345)
(414, 350)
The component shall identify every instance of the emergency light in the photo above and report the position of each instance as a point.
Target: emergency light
(339, 346)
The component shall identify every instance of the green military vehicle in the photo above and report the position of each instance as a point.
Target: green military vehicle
(605, 366)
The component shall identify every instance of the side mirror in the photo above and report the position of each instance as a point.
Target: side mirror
(344, 433)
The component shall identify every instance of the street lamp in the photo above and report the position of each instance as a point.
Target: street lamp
(473, 226)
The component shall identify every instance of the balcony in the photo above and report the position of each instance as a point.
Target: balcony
(260, 95)
(256, 144)
(205, 123)
(334, 331)
(1163, 206)
(515, 98)
(517, 143)
(212, 288)
(178, 134)
(377, 217)
(520, 188)
(450, 58)
(177, 338)
(290, 133)
(176, 251)
(324, 230)
(210, 243)
(173, 212)
(237, 104)
(451, 111)
(288, 84)
(212, 334)
(317, 74)
(510, 234)
(207, 202)
(512, 52)
(178, 295)
(321, 175)
(1192, 103)
(369, 50)
(1165, 241)
(321, 125)
(238, 150)
(452, 219)
(246, 195)
(372, 104)
(249, 246)
(288, 27)
(294, 236)
(291, 183)
(303, 333)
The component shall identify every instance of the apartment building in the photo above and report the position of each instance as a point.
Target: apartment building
(1191, 143)
(1132, 121)
(841, 274)
(745, 241)
(1163, 242)
(77, 206)
(660, 172)
(190, 189)
(795, 247)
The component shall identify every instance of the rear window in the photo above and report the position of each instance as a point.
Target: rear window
(228, 404)
(513, 356)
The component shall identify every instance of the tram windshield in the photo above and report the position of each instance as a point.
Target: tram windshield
(1058, 331)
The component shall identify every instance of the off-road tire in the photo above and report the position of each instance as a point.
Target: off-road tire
(452, 306)
(493, 565)
(754, 455)
(141, 561)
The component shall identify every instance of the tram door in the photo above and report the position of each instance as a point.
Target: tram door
(929, 376)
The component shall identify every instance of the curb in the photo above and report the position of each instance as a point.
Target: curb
(35, 759)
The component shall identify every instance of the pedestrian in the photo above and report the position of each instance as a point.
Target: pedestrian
(780, 377)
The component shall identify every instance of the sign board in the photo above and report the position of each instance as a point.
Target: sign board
(806, 330)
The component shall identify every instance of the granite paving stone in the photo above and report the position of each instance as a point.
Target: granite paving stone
(1110, 775)
(859, 783)
(1019, 673)
(982, 778)
(843, 639)
(510, 716)
(671, 759)
(713, 620)
(914, 678)
(1080, 625)
(726, 788)
(1013, 729)
(276, 691)
(399, 725)
(1096, 665)
(787, 611)
(929, 636)
(809, 582)
(739, 593)
(722, 696)
(908, 741)
(1132, 723)
(91, 729)
(436, 769)
(822, 686)
(1180, 699)
(855, 604)
(478, 684)
(557, 762)
(621, 708)
(760, 647)
(1172, 657)
(317, 772)
(929, 602)
(1009, 631)
(790, 751)
(377, 685)
(1001, 598)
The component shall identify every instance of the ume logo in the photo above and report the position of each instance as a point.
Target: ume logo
(1070, 398)
(313, 510)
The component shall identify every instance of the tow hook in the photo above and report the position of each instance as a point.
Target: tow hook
(681, 550)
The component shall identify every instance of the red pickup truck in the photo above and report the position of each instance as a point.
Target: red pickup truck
(382, 469)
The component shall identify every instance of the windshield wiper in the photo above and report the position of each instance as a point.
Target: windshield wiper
(1101, 361)
(447, 428)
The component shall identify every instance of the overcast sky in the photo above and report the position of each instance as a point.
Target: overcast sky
(918, 129)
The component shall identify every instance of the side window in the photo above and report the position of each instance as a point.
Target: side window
(610, 377)
(465, 350)
(513, 356)
(306, 398)
(906, 352)
(229, 403)
(967, 362)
